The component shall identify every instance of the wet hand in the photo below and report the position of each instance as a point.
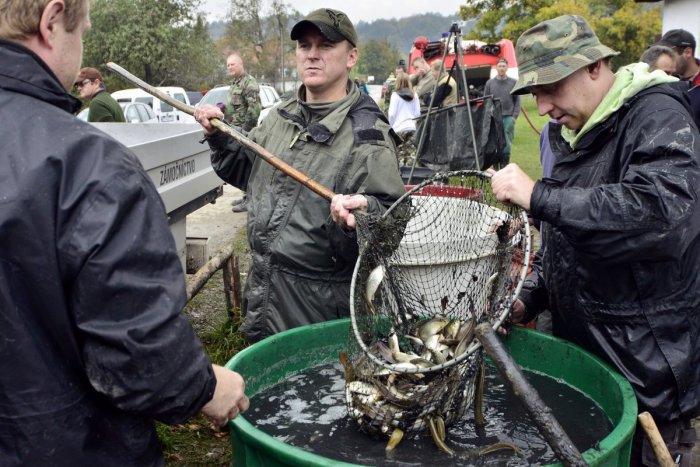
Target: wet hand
(512, 185)
(229, 398)
(206, 112)
(342, 207)
(517, 313)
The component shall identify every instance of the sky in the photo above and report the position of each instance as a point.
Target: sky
(359, 10)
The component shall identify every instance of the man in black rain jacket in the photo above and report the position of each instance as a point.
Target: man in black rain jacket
(93, 343)
(620, 220)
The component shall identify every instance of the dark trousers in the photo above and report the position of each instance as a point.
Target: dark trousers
(679, 436)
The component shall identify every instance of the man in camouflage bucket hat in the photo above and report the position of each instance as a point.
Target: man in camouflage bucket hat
(620, 221)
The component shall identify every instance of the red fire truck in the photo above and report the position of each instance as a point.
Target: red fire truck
(479, 58)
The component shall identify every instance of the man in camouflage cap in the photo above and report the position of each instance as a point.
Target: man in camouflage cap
(303, 254)
(620, 220)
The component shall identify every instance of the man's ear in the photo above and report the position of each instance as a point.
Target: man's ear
(352, 57)
(51, 19)
(594, 69)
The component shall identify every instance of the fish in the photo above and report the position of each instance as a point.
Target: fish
(465, 336)
(435, 433)
(431, 327)
(373, 280)
(394, 439)
(347, 367)
(479, 396)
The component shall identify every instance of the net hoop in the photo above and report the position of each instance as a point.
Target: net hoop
(475, 345)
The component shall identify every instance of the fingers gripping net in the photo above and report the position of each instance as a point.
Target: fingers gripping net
(445, 257)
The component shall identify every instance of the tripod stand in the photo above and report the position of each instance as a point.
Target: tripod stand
(462, 91)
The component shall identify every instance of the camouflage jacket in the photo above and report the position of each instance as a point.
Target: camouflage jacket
(243, 104)
(302, 262)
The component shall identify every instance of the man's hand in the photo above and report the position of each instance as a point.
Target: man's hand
(229, 397)
(512, 185)
(517, 313)
(342, 207)
(206, 112)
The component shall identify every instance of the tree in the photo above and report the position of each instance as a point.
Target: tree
(261, 37)
(158, 40)
(623, 25)
(377, 58)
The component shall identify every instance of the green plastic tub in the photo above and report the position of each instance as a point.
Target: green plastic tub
(277, 357)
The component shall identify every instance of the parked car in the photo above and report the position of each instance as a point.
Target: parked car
(194, 96)
(134, 112)
(268, 98)
(138, 112)
(165, 112)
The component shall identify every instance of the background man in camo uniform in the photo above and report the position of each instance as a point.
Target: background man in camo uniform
(243, 106)
(620, 221)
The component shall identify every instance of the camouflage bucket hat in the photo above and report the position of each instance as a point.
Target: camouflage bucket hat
(333, 24)
(554, 49)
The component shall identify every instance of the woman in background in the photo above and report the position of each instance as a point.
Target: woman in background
(404, 108)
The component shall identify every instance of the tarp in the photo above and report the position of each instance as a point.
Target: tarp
(448, 143)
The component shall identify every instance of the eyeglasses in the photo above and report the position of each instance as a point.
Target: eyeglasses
(82, 83)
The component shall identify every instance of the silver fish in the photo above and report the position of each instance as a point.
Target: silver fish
(373, 280)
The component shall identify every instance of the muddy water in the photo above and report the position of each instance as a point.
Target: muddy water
(308, 411)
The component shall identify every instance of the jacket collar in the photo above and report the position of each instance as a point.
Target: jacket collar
(597, 135)
(24, 72)
(324, 129)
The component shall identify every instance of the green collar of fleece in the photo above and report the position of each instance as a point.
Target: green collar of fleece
(629, 81)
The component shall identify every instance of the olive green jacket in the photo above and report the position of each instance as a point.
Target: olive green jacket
(103, 108)
(243, 104)
(302, 262)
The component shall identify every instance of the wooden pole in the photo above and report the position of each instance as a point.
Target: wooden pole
(655, 439)
(266, 155)
(228, 286)
(541, 414)
(201, 277)
(237, 289)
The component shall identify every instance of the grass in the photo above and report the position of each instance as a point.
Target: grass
(196, 443)
(525, 150)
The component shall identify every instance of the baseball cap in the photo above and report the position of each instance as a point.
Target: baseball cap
(554, 49)
(678, 38)
(88, 73)
(333, 24)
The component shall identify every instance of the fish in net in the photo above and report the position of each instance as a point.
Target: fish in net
(445, 257)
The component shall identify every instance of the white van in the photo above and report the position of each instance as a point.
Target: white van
(165, 112)
(268, 98)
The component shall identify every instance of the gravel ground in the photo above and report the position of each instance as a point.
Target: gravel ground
(216, 221)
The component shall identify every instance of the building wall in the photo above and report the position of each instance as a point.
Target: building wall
(683, 14)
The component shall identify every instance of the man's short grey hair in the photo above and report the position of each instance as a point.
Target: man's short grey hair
(652, 54)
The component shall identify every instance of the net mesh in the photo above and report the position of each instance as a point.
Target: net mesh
(445, 257)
